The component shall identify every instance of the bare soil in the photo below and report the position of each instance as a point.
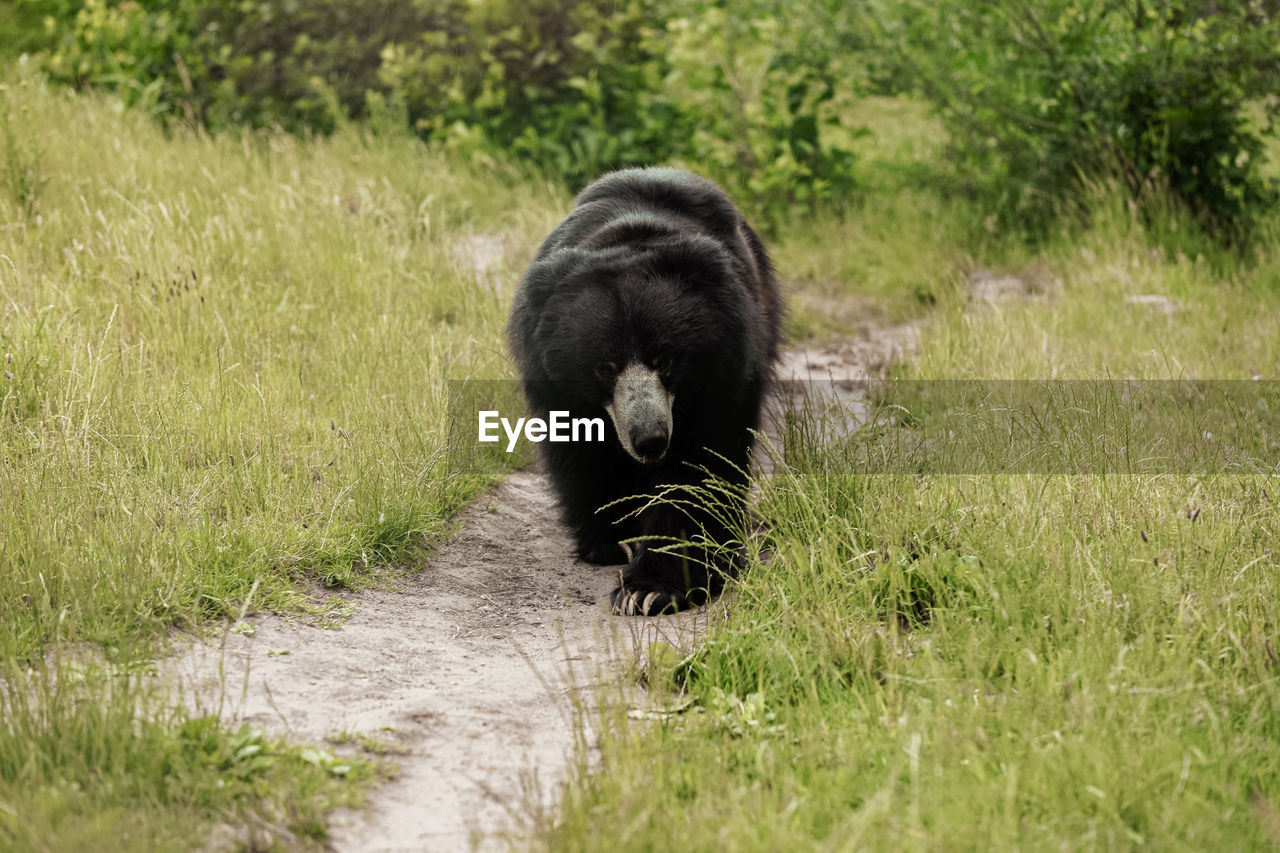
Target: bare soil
(473, 671)
(468, 673)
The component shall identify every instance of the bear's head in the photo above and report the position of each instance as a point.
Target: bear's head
(645, 336)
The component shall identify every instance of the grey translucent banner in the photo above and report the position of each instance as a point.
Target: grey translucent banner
(1046, 427)
(948, 426)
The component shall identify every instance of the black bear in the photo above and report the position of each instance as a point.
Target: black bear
(655, 305)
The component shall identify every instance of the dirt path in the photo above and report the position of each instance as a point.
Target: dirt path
(467, 669)
(472, 667)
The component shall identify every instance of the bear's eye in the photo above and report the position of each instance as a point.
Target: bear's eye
(606, 371)
(662, 364)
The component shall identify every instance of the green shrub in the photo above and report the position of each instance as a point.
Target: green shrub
(309, 65)
(569, 86)
(754, 82)
(576, 88)
(150, 52)
(1041, 99)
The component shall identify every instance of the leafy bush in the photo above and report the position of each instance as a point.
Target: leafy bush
(568, 85)
(575, 87)
(580, 88)
(753, 83)
(223, 62)
(308, 66)
(1042, 98)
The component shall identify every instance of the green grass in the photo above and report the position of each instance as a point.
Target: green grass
(987, 661)
(225, 386)
(97, 762)
(225, 365)
(1014, 671)
(226, 361)
(1225, 324)
(901, 250)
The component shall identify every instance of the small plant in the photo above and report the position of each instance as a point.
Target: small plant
(374, 744)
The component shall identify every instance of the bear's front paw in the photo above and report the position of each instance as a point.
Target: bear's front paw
(634, 599)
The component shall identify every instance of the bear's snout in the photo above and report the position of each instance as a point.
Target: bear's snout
(650, 441)
(641, 413)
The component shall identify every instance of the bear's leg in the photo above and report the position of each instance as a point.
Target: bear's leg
(694, 566)
(598, 544)
(585, 482)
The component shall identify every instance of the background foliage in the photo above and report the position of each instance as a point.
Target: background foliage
(224, 353)
(1169, 99)
(1042, 98)
(576, 88)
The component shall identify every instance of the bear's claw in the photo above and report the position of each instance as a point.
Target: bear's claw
(641, 602)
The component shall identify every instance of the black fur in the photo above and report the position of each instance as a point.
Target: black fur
(655, 266)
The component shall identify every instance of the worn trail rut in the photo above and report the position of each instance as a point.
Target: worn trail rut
(471, 668)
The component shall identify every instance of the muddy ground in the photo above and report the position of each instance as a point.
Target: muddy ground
(471, 671)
